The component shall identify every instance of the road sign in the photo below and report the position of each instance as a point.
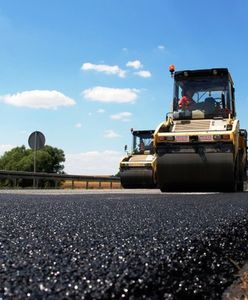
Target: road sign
(36, 140)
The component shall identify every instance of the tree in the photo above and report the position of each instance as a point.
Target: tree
(48, 159)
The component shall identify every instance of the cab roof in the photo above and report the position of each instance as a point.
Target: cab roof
(142, 132)
(220, 72)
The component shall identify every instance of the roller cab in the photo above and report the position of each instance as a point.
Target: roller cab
(137, 169)
(200, 146)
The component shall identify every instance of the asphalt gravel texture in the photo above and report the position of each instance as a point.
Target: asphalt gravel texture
(121, 246)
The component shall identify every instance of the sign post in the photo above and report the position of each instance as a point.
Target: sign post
(36, 141)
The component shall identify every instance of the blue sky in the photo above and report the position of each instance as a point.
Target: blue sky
(86, 71)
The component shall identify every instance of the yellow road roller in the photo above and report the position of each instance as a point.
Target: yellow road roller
(200, 145)
(137, 168)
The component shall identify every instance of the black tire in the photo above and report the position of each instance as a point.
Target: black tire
(163, 189)
(236, 178)
(240, 186)
(240, 174)
(233, 186)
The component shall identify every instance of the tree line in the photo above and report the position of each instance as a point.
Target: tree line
(48, 159)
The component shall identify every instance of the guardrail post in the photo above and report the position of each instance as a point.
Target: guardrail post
(111, 185)
(100, 185)
(87, 185)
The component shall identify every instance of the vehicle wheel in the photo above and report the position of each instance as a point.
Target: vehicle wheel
(236, 180)
(240, 174)
(155, 182)
(233, 186)
(240, 186)
(163, 189)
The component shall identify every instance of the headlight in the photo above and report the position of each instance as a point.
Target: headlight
(166, 138)
(218, 137)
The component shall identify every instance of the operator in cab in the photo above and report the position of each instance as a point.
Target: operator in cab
(187, 102)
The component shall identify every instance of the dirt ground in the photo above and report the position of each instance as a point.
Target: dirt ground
(90, 185)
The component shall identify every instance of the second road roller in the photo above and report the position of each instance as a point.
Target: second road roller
(137, 169)
(200, 145)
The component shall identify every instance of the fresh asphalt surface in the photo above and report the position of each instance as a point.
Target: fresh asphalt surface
(120, 245)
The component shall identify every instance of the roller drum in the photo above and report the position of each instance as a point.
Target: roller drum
(195, 172)
(137, 178)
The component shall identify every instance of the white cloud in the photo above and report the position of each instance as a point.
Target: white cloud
(110, 134)
(111, 95)
(5, 147)
(145, 74)
(161, 47)
(93, 163)
(115, 70)
(123, 116)
(38, 99)
(78, 125)
(124, 49)
(136, 64)
(100, 111)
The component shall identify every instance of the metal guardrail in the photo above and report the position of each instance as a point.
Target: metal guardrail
(14, 175)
